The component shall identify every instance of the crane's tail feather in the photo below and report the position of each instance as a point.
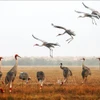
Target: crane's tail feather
(57, 44)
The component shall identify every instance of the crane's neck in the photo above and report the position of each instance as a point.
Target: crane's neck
(83, 64)
(16, 63)
(61, 67)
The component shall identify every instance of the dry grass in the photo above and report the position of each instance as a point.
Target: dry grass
(73, 90)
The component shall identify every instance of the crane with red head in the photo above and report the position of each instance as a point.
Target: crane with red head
(11, 74)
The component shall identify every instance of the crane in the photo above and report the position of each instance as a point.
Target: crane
(85, 71)
(0, 70)
(95, 12)
(2, 91)
(92, 16)
(68, 31)
(46, 44)
(24, 76)
(99, 62)
(66, 73)
(40, 78)
(11, 74)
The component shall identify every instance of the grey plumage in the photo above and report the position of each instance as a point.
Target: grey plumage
(66, 72)
(68, 31)
(0, 68)
(40, 78)
(11, 74)
(10, 77)
(24, 76)
(85, 71)
(0, 74)
(46, 44)
(92, 16)
(95, 12)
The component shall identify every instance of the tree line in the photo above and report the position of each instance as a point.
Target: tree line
(46, 61)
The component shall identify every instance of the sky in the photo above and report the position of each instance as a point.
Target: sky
(20, 19)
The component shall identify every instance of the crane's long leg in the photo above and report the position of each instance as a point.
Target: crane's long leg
(2, 81)
(70, 39)
(93, 21)
(85, 79)
(64, 81)
(51, 53)
(10, 89)
(41, 85)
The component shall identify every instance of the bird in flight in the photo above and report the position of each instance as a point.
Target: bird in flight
(46, 44)
(68, 31)
(92, 16)
(95, 12)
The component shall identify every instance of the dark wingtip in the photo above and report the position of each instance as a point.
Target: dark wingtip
(32, 35)
(83, 3)
(75, 10)
(52, 24)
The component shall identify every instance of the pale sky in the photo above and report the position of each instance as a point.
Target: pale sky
(20, 19)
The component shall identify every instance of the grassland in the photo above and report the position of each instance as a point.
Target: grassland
(73, 90)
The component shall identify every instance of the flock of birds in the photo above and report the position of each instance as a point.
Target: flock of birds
(94, 14)
(11, 74)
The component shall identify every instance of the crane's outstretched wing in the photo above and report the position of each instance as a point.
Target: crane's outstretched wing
(80, 12)
(37, 38)
(58, 26)
(93, 11)
(88, 7)
(93, 15)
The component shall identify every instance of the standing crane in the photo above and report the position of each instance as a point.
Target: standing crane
(11, 74)
(66, 73)
(40, 78)
(85, 71)
(92, 16)
(95, 12)
(0, 70)
(99, 62)
(24, 76)
(68, 31)
(2, 91)
(46, 44)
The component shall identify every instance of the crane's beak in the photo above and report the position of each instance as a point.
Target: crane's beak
(58, 34)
